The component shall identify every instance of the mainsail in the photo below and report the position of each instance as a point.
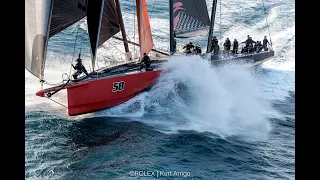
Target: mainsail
(190, 18)
(145, 36)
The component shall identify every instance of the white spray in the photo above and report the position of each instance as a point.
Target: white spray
(193, 95)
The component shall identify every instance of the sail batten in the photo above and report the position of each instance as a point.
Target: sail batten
(144, 29)
(190, 18)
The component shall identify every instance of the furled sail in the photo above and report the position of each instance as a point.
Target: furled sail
(110, 22)
(37, 22)
(190, 18)
(145, 35)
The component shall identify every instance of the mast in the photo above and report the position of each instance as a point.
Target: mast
(123, 31)
(213, 13)
(171, 26)
(140, 28)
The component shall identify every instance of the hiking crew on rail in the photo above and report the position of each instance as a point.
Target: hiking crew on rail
(251, 46)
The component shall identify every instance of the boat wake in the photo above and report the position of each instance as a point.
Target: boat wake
(191, 95)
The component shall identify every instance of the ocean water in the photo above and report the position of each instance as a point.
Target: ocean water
(197, 122)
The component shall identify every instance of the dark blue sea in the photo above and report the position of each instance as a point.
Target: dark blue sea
(196, 122)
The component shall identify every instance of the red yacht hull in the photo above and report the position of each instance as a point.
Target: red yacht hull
(93, 95)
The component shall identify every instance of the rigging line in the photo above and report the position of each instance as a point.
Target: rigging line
(51, 84)
(150, 18)
(74, 48)
(204, 41)
(56, 84)
(134, 26)
(265, 14)
(57, 102)
(117, 48)
(80, 45)
(220, 20)
(128, 37)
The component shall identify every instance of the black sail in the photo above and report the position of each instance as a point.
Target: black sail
(65, 13)
(110, 23)
(94, 16)
(190, 18)
(43, 19)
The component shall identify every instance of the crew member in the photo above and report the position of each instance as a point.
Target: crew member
(146, 60)
(235, 46)
(188, 47)
(227, 45)
(197, 50)
(79, 69)
(249, 45)
(214, 45)
(265, 43)
(258, 47)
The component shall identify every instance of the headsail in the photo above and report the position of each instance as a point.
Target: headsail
(103, 23)
(190, 18)
(37, 21)
(145, 36)
(110, 21)
(65, 13)
(94, 16)
(43, 19)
